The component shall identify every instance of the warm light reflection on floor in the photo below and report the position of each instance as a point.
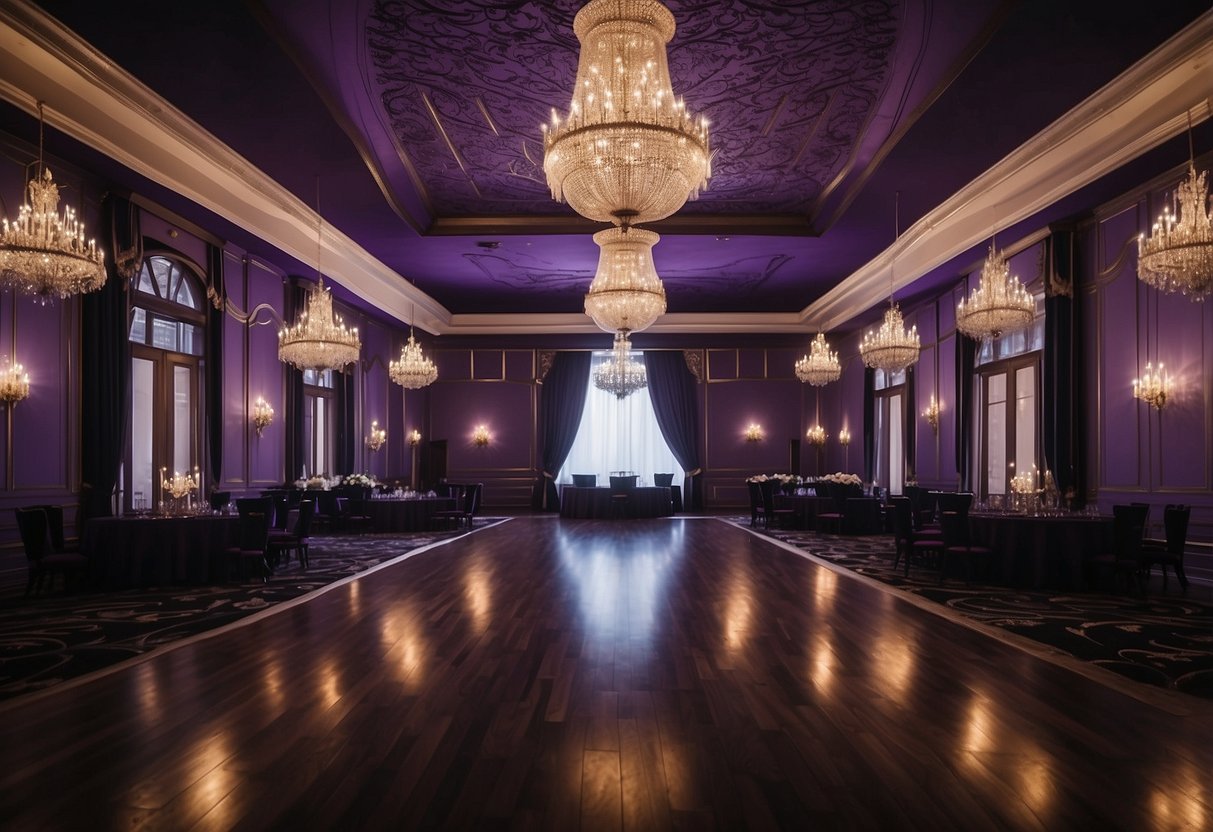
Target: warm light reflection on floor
(355, 596)
(271, 678)
(214, 780)
(822, 662)
(149, 696)
(893, 662)
(404, 646)
(478, 594)
(825, 585)
(1181, 807)
(978, 735)
(739, 594)
(329, 688)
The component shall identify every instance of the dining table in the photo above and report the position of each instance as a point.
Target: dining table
(1039, 551)
(403, 514)
(595, 503)
(138, 550)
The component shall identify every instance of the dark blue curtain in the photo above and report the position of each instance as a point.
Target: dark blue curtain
(561, 403)
(344, 424)
(869, 424)
(672, 390)
(295, 299)
(909, 421)
(1062, 402)
(214, 365)
(105, 377)
(966, 357)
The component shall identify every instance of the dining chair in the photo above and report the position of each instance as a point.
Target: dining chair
(829, 520)
(663, 480)
(910, 545)
(782, 517)
(585, 480)
(1125, 561)
(251, 545)
(219, 499)
(295, 538)
(957, 543)
(756, 507)
(1171, 551)
(43, 559)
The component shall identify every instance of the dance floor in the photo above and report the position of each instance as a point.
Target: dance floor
(569, 674)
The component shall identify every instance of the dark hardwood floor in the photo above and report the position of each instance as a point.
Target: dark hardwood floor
(582, 674)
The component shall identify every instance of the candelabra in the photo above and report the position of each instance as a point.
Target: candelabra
(754, 432)
(377, 436)
(14, 383)
(1153, 387)
(817, 435)
(480, 436)
(263, 415)
(180, 486)
(414, 438)
(844, 439)
(932, 414)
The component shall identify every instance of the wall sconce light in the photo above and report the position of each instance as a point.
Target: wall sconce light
(844, 437)
(378, 436)
(14, 383)
(414, 438)
(1153, 387)
(754, 433)
(263, 415)
(480, 436)
(817, 435)
(932, 414)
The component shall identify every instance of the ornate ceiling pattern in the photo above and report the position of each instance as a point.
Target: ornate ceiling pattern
(788, 87)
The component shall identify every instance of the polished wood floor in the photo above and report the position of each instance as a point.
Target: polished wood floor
(581, 674)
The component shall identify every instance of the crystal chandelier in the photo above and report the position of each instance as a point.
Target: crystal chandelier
(998, 305)
(620, 374)
(413, 371)
(319, 339)
(820, 366)
(43, 254)
(626, 293)
(628, 151)
(891, 348)
(1153, 387)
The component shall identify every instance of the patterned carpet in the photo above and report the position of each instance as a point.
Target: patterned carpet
(48, 640)
(1163, 640)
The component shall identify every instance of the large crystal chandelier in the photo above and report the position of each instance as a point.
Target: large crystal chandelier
(628, 151)
(891, 348)
(319, 339)
(620, 374)
(820, 366)
(1178, 254)
(42, 253)
(998, 305)
(413, 371)
(626, 293)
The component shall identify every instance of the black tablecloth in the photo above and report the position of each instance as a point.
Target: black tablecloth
(1041, 551)
(805, 508)
(403, 515)
(653, 501)
(158, 551)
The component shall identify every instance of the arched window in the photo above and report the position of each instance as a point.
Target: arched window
(167, 333)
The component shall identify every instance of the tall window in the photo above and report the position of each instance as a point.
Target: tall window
(890, 422)
(319, 410)
(167, 329)
(618, 435)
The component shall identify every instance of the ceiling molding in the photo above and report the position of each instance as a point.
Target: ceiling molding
(1141, 108)
(675, 322)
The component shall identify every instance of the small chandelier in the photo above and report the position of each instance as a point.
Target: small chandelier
(628, 152)
(413, 371)
(998, 305)
(43, 254)
(14, 383)
(620, 374)
(626, 293)
(817, 435)
(319, 339)
(377, 436)
(1178, 254)
(1153, 387)
(820, 366)
(891, 348)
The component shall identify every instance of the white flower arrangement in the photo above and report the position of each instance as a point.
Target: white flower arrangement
(842, 479)
(784, 479)
(364, 480)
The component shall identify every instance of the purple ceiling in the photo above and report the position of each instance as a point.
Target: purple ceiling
(421, 121)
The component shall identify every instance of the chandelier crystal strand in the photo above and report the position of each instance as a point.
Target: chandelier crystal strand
(1000, 303)
(628, 151)
(620, 374)
(45, 254)
(891, 348)
(626, 293)
(820, 366)
(1178, 254)
(413, 371)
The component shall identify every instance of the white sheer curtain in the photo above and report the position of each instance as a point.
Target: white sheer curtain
(618, 435)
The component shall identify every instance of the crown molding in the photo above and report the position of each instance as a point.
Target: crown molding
(1138, 110)
(714, 323)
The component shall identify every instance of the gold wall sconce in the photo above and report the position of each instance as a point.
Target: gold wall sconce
(480, 436)
(1153, 387)
(932, 414)
(377, 436)
(754, 432)
(263, 415)
(14, 383)
(414, 438)
(844, 437)
(817, 436)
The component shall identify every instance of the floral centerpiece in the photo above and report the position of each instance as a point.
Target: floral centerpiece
(841, 478)
(362, 480)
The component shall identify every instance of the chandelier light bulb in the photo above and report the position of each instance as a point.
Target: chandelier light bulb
(626, 293)
(628, 151)
(1000, 303)
(820, 366)
(413, 371)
